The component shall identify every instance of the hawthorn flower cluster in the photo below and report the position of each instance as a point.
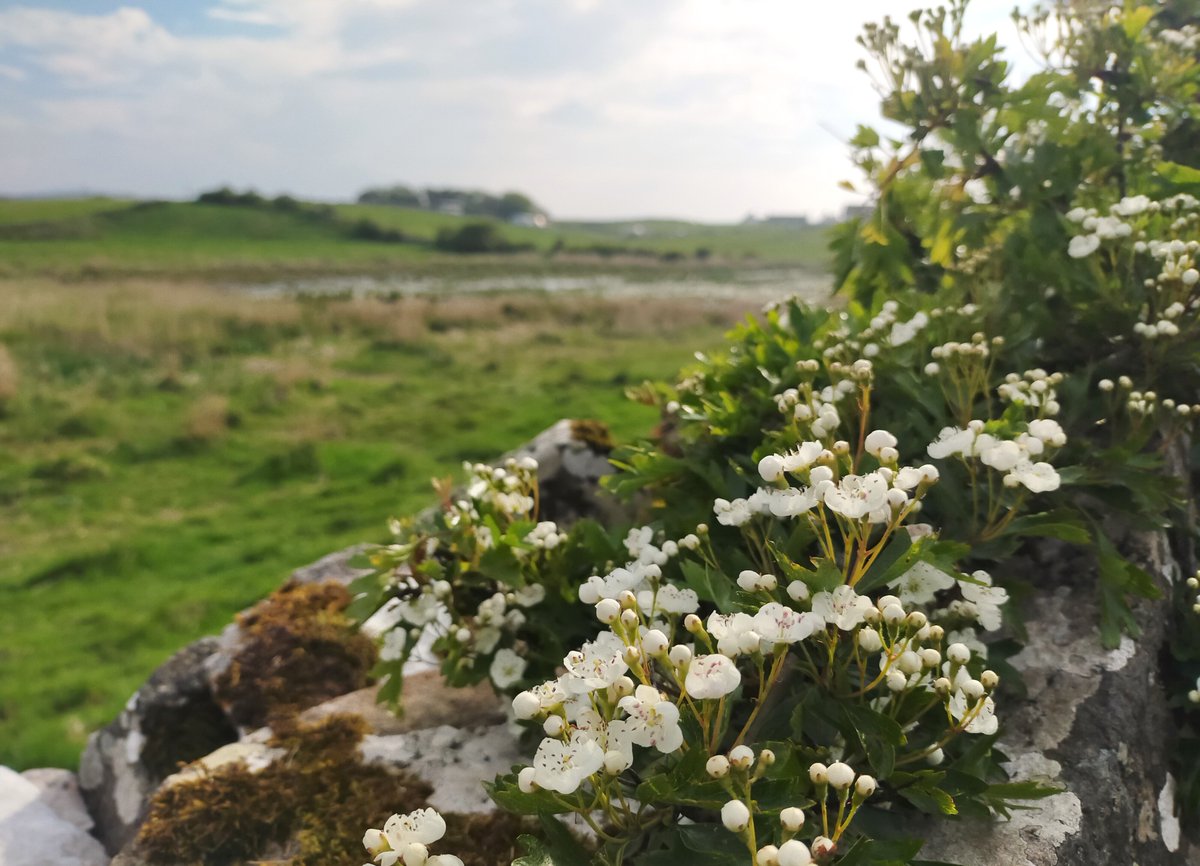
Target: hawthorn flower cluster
(435, 588)
(406, 839)
(740, 769)
(1015, 458)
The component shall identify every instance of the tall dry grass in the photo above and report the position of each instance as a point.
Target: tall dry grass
(165, 319)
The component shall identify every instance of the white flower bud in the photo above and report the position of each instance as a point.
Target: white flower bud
(896, 681)
(627, 599)
(865, 786)
(770, 467)
(973, 689)
(793, 852)
(886, 601)
(608, 610)
(588, 594)
(819, 773)
(415, 854)
(441, 588)
(735, 816)
(841, 776)
(797, 590)
(766, 757)
(823, 846)
(654, 642)
(958, 653)
(629, 618)
(930, 657)
(374, 842)
(792, 819)
(869, 640)
(463, 635)
(553, 726)
(750, 641)
(741, 757)
(632, 655)
(525, 780)
(917, 620)
(893, 613)
(935, 757)
(623, 686)
(526, 705)
(748, 580)
(768, 855)
(989, 679)
(768, 582)
(942, 685)
(680, 655)
(717, 766)
(614, 763)
(693, 624)
(909, 662)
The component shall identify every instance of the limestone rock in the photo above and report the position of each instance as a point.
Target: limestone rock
(59, 789)
(1095, 722)
(455, 762)
(171, 719)
(428, 702)
(33, 830)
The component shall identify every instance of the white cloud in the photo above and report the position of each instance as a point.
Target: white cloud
(704, 108)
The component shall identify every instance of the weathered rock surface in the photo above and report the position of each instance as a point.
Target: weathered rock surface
(174, 718)
(428, 702)
(454, 761)
(1096, 723)
(171, 719)
(41, 818)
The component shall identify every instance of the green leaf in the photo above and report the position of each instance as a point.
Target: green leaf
(1134, 21)
(926, 793)
(1062, 524)
(889, 565)
(710, 585)
(559, 848)
(509, 796)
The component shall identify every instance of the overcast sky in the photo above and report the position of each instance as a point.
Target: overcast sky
(706, 109)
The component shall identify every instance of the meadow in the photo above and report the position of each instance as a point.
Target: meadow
(171, 448)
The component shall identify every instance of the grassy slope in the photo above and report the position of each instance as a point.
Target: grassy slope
(171, 451)
(102, 236)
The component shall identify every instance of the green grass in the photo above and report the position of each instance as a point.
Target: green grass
(20, 211)
(170, 451)
(104, 237)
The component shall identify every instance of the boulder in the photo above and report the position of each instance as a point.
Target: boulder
(40, 822)
(1095, 722)
(175, 719)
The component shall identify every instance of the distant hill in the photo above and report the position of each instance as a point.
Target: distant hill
(507, 206)
(242, 234)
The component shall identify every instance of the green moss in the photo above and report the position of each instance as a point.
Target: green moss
(309, 808)
(299, 649)
(594, 433)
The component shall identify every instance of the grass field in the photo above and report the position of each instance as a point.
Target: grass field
(106, 237)
(171, 448)
(169, 451)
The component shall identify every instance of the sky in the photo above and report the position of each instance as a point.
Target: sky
(704, 109)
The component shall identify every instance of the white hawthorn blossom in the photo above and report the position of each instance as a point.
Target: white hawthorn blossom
(712, 676)
(920, 583)
(597, 664)
(563, 766)
(653, 720)
(777, 623)
(857, 496)
(843, 607)
(507, 668)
